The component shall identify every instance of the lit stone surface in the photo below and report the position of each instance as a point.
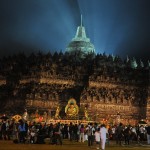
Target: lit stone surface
(80, 44)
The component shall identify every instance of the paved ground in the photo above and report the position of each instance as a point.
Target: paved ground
(67, 145)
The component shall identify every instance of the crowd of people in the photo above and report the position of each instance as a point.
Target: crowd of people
(93, 134)
(118, 83)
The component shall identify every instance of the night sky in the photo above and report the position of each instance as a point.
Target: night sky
(118, 27)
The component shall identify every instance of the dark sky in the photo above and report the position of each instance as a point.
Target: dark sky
(118, 27)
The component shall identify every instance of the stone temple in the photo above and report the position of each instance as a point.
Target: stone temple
(100, 88)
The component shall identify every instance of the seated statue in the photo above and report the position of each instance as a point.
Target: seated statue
(71, 109)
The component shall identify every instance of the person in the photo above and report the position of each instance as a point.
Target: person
(119, 134)
(70, 131)
(57, 134)
(8, 130)
(50, 132)
(81, 135)
(133, 134)
(148, 134)
(75, 133)
(22, 131)
(15, 133)
(103, 132)
(97, 138)
(41, 134)
(3, 130)
(32, 135)
(127, 133)
(90, 132)
(142, 133)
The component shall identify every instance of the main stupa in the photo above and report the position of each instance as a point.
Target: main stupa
(80, 44)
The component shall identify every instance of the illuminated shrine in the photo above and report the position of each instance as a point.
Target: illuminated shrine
(57, 86)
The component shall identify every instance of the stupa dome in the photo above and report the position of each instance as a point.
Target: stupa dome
(80, 44)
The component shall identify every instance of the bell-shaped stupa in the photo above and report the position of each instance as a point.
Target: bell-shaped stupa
(80, 44)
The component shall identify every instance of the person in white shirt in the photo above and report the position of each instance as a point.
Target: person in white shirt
(97, 138)
(142, 132)
(103, 132)
(90, 132)
(148, 133)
